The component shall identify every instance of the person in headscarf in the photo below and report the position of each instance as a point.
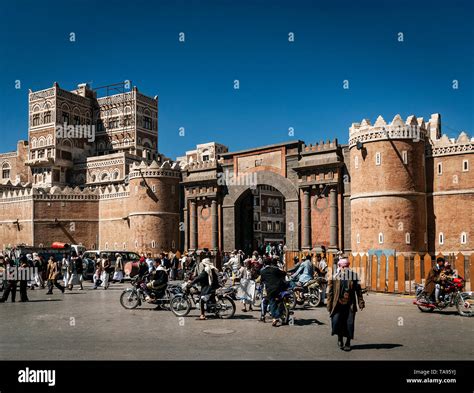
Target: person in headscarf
(344, 293)
(208, 280)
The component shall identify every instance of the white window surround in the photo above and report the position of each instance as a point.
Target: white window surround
(439, 168)
(378, 158)
(407, 238)
(463, 238)
(465, 165)
(441, 238)
(381, 238)
(356, 162)
(405, 157)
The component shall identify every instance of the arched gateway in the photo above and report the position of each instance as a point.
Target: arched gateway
(288, 192)
(235, 193)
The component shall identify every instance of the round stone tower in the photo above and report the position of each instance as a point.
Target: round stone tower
(154, 207)
(388, 187)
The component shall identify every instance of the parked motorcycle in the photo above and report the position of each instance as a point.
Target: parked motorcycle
(181, 303)
(452, 295)
(136, 295)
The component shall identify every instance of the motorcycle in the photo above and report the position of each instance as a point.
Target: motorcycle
(136, 295)
(309, 293)
(287, 303)
(181, 303)
(452, 295)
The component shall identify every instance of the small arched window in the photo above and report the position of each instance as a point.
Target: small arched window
(380, 238)
(441, 238)
(6, 170)
(464, 238)
(407, 238)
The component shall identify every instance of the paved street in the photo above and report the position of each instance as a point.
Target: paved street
(93, 325)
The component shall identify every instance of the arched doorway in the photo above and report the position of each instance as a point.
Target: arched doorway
(260, 219)
(239, 195)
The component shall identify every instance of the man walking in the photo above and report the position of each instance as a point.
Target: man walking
(52, 273)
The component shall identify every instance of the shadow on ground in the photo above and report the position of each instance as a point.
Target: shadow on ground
(376, 346)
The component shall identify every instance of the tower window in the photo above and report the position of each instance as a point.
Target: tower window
(153, 244)
(380, 238)
(378, 158)
(147, 122)
(66, 117)
(464, 238)
(36, 120)
(47, 117)
(439, 169)
(441, 238)
(405, 157)
(465, 165)
(356, 162)
(407, 238)
(358, 238)
(5, 171)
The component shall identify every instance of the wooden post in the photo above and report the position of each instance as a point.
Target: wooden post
(417, 268)
(391, 274)
(427, 265)
(357, 263)
(383, 267)
(373, 283)
(471, 273)
(401, 273)
(460, 265)
(363, 271)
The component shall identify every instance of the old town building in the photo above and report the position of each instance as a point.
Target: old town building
(90, 173)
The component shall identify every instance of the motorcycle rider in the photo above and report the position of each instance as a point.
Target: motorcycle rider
(304, 273)
(208, 279)
(322, 271)
(158, 279)
(433, 280)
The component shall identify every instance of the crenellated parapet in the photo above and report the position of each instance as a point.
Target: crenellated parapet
(155, 169)
(412, 128)
(445, 146)
(319, 147)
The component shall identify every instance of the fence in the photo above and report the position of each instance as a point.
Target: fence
(398, 274)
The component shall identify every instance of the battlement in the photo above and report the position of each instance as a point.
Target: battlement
(445, 146)
(155, 169)
(199, 166)
(319, 147)
(10, 192)
(413, 128)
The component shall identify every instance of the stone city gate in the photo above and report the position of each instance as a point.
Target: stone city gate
(309, 177)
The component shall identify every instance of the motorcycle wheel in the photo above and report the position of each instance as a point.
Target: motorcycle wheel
(292, 301)
(180, 305)
(227, 307)
(465, 305)
(286, 312)
(258, 299)
(314, 298)
(129, 299)
(421, 307)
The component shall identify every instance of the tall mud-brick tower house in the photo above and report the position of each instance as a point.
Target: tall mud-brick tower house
(388, 185)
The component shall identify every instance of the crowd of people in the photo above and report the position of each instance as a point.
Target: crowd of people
(268, 271)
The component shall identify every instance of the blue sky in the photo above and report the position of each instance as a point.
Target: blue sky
(282, 84)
